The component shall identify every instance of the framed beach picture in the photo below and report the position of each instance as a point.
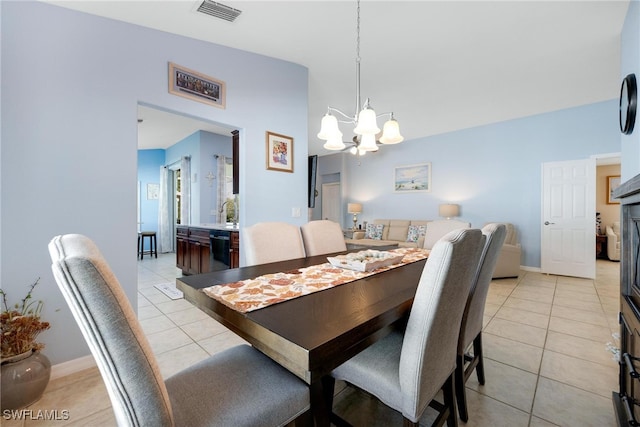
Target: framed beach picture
(196, 86)
(279, 152)
(412, 178)
(613, 182)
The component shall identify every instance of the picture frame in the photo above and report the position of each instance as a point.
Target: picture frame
(613, 182)
(412, 178)
(196, 86)
(279, 152)
(153, 191)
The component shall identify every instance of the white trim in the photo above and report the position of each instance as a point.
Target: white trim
(72, 366)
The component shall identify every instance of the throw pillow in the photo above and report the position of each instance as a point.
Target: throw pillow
(374, 231)
(415, 232)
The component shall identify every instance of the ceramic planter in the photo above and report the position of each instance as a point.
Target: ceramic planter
(23, 379)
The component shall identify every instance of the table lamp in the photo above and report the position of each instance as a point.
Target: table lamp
(449, 210)
(355, 209)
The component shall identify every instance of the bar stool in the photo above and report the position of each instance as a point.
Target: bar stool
(153, 245)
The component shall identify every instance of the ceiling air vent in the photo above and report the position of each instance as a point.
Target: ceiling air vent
(219, 10)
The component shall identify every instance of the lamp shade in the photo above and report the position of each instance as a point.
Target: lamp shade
(449, 210)
(367, 123)
(354, 208)
(334, 144)
(368, 143)
(329, 128)
(391, 133)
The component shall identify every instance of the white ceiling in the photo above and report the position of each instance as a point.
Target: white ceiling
(439, 65)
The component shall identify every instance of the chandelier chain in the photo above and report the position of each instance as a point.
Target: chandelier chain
(358, 34)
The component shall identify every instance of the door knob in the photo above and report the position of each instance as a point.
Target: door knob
(548, 223)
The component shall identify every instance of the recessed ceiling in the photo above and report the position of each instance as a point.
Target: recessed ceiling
(438, 65)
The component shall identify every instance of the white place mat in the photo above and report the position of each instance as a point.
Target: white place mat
(169, 289)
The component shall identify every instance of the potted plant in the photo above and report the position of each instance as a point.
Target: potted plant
(25, 371)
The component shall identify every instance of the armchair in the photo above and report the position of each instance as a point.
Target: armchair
(613, 241)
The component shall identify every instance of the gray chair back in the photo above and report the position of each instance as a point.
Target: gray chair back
(428, 355)
(474, 311)
(108, 322)
(322, 237)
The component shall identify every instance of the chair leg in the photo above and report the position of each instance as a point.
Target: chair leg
(449, 395)
(477, 354)
(461, 395)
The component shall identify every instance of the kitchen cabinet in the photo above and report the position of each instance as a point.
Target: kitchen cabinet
(193, 250)
(235, 249)
(194, 253)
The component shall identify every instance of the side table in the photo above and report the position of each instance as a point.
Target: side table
(601, 246)
(348, 233)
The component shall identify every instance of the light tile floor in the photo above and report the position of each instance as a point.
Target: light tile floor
(546, 356)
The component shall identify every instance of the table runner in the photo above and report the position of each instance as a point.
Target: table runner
(252, 294)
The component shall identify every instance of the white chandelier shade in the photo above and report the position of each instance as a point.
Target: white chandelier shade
(391, 132)
(367, 122)
(329, 128)
(368, 142)
(334, 144)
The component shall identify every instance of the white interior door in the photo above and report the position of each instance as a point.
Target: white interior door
(568, 218)
(331, 202)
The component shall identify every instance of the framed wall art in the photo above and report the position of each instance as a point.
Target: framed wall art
(613, 182)
(153, 191)
(279, 152)
(196, 86)
(412, 178)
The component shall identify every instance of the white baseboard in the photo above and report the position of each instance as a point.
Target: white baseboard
(72, 366)
(533, 269)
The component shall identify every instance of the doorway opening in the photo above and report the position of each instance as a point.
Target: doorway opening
(159, 130)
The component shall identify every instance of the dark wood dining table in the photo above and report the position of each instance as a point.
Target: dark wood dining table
(313, 334)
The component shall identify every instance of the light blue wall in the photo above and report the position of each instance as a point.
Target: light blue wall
(493, 171)
(149, 163)
(189, 146)
(210, 145)
(630, 63)
(71, 84)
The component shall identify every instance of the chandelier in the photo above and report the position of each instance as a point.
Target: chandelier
(365, 120)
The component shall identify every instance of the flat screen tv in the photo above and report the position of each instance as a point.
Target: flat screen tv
(313, 165)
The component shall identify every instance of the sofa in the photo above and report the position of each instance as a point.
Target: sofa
(405, 233)
(508, 263)
(402, 233)
(613, 241)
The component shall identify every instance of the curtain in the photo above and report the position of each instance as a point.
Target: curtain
(165, 201)
(185, 189)
(221, 189)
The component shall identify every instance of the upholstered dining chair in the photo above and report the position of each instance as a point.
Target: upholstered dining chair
(436, 229)
(322, 237)
(266, 242)
(238, 386)
(471, 328)
(406, 370)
